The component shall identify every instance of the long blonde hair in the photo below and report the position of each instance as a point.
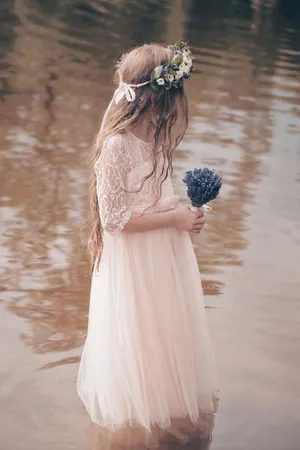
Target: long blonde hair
(167, 107)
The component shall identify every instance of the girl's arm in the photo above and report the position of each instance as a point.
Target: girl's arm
(181, 218)
(110, 170)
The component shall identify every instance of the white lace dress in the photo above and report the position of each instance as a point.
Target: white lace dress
(147, 361)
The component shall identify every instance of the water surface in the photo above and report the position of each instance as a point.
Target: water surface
(244, 122)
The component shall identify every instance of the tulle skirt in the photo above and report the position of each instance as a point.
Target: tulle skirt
(147, 362)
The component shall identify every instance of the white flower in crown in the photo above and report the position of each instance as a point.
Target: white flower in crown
(160, 81)
(179, 74)
(184, 68)
(170, 77)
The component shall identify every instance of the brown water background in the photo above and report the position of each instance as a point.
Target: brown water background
(244, 122)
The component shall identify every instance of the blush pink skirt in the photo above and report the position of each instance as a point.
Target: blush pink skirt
(147, 362)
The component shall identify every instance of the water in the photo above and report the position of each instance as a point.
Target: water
(244, 121)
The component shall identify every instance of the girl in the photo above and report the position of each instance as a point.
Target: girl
(147, 361)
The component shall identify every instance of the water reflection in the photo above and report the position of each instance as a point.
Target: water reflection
(244, 98)
(108, 440)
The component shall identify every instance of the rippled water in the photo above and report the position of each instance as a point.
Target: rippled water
(244, 121)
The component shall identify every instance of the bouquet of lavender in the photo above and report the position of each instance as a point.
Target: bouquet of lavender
(203, 185)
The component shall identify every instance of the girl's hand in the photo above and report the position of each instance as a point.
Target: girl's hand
(187, 220)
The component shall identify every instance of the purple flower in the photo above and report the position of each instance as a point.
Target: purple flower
(203, 185)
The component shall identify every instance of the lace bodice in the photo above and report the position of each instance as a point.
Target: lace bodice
(120, 170)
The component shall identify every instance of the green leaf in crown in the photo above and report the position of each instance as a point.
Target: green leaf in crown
(177, 60)
(179, 43)
(156, 73)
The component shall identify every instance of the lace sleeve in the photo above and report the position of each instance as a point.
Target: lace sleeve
(111, 169)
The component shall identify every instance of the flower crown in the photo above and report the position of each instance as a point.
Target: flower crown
(166, 76)
(173, 72)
